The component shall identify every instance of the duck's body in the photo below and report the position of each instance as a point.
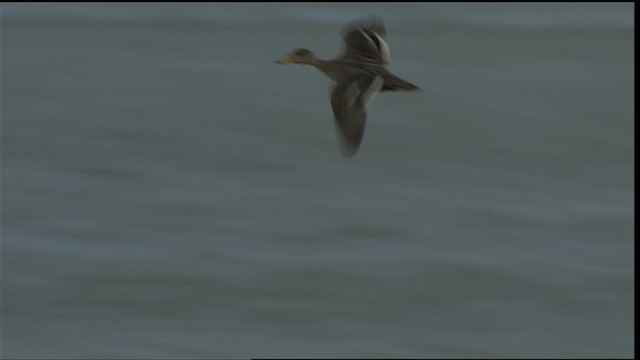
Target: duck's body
(359, 74)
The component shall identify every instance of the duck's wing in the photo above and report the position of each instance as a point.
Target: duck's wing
(364, 41)
(350, 99)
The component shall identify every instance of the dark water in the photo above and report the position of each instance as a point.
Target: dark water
(170, 192)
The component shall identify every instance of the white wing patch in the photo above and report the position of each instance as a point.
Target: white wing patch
(354, 93)
(351, 94)
(371, 92)
(380, 44)
(385, 53)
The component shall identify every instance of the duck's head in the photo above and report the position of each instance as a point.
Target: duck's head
(298, 56)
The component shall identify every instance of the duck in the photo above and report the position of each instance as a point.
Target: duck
(359, 74)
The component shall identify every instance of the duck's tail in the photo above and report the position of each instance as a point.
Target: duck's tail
(394, 83)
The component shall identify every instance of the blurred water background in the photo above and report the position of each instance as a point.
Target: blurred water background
(170, 192)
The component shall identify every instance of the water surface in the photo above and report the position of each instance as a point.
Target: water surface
(170, 192)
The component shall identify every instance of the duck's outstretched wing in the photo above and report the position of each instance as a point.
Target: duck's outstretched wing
(350, 99)
(364, 41)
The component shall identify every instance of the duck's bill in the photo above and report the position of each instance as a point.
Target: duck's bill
(285, 60)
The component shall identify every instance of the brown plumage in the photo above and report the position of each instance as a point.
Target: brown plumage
(359, 74)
